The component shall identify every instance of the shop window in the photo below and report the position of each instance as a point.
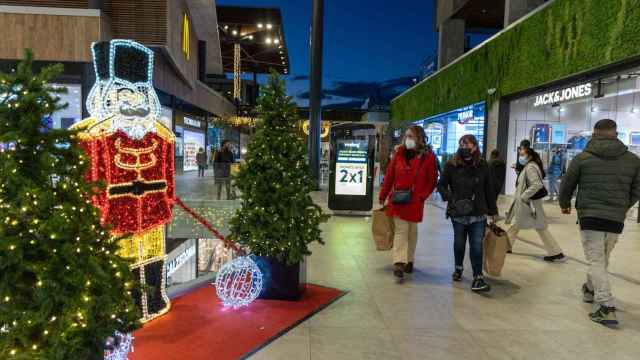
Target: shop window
(186, 35)
(445, 130)
(564, 124)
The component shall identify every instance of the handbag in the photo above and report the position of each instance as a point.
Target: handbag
(404, 196)
(540, 194)
(464, 207)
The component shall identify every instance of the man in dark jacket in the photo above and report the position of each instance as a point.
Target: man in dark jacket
(222, 169)
(498, 169)
(607, 176)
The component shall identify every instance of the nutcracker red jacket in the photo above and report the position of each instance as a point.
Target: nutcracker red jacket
(419, 174)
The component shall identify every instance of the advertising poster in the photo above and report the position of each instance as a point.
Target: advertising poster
(435, 132)
(559, 134)
(541, 134)
(192, 142)
(351, 167)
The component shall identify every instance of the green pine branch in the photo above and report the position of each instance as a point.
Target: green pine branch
(278, 217)
(63, 290)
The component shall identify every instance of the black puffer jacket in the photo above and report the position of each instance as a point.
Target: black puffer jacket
(607, 176)
(462, 182)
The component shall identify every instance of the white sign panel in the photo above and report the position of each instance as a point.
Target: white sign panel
(351, 179)
(351, 168)
(192, 142)
(567, 94)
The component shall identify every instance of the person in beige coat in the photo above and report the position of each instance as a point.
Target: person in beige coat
(526, 213)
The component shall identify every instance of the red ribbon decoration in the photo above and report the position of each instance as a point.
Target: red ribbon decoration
(227, 243)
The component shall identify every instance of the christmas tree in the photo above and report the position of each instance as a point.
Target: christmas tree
(63, 289)
(277, 218)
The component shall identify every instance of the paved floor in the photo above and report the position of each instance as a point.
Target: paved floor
(533, 312)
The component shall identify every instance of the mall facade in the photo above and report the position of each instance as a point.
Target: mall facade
(182, 33)
(547, 77)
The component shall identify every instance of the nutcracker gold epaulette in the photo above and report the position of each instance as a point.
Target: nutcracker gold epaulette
(83, 127)
(165, 132)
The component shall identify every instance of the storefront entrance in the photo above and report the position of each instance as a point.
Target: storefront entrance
(561, 119)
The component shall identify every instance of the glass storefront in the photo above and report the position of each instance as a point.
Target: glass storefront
(562, 118)
(64, 118)
(445, 130)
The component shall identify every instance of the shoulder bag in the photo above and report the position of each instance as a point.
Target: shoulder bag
(404, 196)
(465, 207)
(542, 193)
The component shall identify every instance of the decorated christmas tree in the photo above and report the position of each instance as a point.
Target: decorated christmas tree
(63, 289)
(278, 218)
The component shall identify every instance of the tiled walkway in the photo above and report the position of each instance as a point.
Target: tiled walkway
(534, 311)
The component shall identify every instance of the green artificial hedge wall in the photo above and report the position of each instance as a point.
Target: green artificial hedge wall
(565, 38)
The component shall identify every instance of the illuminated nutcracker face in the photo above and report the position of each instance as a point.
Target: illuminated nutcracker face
(123, 91)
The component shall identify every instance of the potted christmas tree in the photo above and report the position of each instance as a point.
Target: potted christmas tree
(63, 289)
(278, 219)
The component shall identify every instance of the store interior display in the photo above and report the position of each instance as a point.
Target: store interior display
(444, 130)
(567, 125)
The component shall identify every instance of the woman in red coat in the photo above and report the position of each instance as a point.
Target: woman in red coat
(412, 168)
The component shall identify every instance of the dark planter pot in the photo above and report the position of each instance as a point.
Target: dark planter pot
(281, 281)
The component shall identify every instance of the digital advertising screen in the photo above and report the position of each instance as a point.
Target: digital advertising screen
(559, 134)
(351, 167)
(192, 142)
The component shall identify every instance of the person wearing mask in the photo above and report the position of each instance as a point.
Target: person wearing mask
(555, 172)
(222, 167)
(467, 186)
(526, 210)
(523, 145)
(409, 180)
(201, 160)
(607, 177)
(498, 171)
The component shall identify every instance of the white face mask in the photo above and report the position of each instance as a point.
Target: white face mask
(410, 144)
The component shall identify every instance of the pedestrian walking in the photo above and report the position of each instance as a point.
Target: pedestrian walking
(607, 177)
(524, 144)
(555, 171)
(222, 169)
(467, 186)
(498, 171)
(201, 161)
(527, 211)
(409, 180)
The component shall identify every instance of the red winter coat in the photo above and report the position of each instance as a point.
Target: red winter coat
(420, 173)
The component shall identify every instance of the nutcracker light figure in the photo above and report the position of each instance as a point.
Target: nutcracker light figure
(132, 153)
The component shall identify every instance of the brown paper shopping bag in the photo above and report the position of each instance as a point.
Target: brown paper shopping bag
(382, 229)
(496, 243)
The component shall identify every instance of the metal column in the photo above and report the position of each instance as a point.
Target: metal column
(315, 98)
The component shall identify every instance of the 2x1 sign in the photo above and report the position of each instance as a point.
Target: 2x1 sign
(567, 94)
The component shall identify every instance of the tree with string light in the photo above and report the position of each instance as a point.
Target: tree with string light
(278, 219)
(63, 289)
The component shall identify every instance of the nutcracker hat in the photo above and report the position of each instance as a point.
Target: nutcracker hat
(123, 61)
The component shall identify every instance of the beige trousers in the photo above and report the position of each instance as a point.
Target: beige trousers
(598, 246)
(549, 242)
(404, 241)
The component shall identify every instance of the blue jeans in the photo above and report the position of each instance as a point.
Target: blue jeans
(475, 233)
(553, 184)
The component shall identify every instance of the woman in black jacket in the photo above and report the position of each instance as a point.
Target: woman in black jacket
(466, 184)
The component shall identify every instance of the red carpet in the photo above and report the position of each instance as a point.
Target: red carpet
(198, 328)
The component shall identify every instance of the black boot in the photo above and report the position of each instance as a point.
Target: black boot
(409, 268)
(398, 270)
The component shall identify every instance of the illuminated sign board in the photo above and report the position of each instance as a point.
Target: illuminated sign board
(351, 167)
(570, 93)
